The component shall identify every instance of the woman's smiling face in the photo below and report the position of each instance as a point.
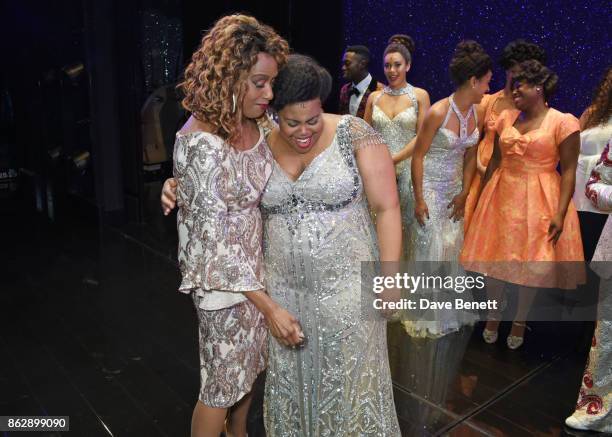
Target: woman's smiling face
(301, 124)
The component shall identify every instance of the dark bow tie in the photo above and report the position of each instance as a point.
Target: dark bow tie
(354, 91)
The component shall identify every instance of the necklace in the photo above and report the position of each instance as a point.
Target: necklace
(397, 92)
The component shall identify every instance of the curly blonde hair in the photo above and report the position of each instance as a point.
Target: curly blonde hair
(601, 107)
(219, 67)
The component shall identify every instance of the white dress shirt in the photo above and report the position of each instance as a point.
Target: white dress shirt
(356, 100)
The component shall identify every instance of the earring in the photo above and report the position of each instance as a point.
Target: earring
(538, 89)
(233, 103)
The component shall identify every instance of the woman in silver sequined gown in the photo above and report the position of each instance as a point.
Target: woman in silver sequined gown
(407, 106)
(317, 231)
(443, 165)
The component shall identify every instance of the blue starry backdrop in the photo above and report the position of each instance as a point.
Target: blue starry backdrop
(575, 34)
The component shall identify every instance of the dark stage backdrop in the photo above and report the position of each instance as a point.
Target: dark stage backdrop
(311, 27)
(575, 35)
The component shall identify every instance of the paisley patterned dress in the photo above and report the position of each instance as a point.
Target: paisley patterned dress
(317, 230)
(512, 218)
(220, 257)
(485, 150)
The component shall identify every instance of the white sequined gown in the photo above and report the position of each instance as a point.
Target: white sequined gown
(316, 231)
(397, 132)
(441, 239)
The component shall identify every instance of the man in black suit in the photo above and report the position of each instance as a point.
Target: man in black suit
(354, 94)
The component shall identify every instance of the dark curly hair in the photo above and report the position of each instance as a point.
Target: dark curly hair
(219, 66)
(399, 48)
(520, 50)
(405, 40)
(469, 60)
(600, 109)
(299, 81)
(326, 78)
(534, 73)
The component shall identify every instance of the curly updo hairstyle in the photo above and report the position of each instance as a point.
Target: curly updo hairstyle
(520, 50)
(302, 79)
(219, 67)
(326, 78)
(536, 74)
(405, 40)
(601, 107)
(399, 48)
(469, 60)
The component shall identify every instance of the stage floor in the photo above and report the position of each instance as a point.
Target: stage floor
(91, 327)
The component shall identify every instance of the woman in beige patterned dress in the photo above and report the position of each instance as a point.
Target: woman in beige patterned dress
(221, 164)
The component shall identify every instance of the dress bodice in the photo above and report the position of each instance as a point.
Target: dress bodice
(399, 130)
(444, 160)
(536, 150)
(329, 183)
(219, 222)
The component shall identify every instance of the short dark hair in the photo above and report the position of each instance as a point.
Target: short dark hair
(405, 40)
(534, 73)
(520, 50)
(469, 60)
(362, 51)
(300, 80)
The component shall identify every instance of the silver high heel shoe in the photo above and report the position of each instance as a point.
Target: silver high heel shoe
(514, 341)
(489, 337)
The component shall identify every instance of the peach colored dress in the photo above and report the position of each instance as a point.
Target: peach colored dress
(511, 220)
(485, 150)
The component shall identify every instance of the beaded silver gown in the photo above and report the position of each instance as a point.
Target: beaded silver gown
(317, 229)
(397, 132)
(441, 239)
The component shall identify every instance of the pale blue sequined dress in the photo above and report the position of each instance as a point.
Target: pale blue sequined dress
(441, 239)
(316, 231)
(397, 132)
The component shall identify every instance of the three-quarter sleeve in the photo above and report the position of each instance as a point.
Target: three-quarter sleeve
(599, 186)
(215, 250)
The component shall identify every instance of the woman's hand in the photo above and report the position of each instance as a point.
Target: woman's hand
(284, 326)
(168, 195)
(458, 205)
(555, 228)
(421, 212)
